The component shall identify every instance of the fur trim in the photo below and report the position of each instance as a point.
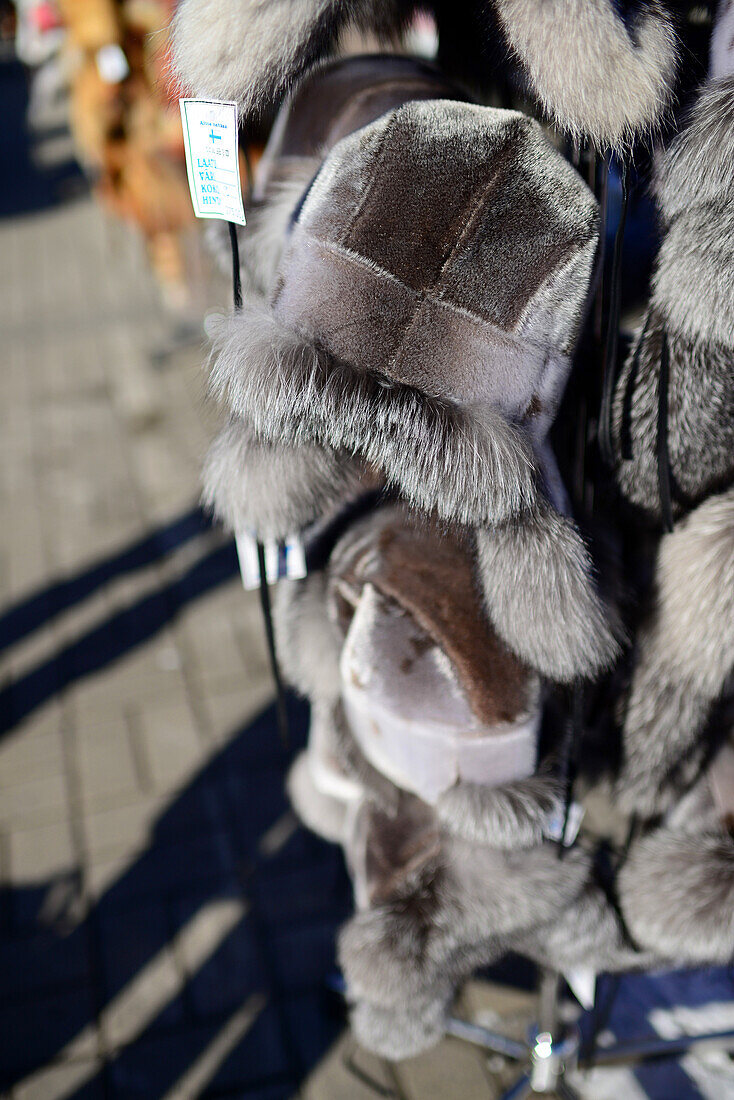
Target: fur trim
(695, 191)
(685, 656)
(700, 416)
(513, 816)
(595, 78)
(472, 466)
(587, 933)
(397, 1033)
(253, 51)
(536, 576)
(270, 489)
(309, 646)
(677, 896)
(721, 45)
(698, 167)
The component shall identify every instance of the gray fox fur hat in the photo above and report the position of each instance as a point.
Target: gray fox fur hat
(602, 70)
(448, 849)
(422, 317)
(685, 646)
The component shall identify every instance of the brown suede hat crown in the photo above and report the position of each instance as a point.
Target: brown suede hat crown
(449, 247)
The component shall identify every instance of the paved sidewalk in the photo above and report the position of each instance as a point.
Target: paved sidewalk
(165, 927)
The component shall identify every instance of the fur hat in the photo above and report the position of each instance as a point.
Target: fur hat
(252, 482)
(423, 316)
(602, 70)
(442, 882)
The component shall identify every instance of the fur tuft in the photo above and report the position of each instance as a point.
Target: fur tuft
(698, 167)
(536, 577)
(253, 51)
(397, 1033)
(513, 816)
(308, 644)
(677, 896)
(471, 466)
(274, 490)
(695, 193)
(685, 656)
(595, 78)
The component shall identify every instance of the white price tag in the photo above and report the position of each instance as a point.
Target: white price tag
(554, 828)
(210, 141)
(282, 559)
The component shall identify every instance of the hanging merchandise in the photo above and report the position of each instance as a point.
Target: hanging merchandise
(518, 745)
(674, 434)
(448, 374)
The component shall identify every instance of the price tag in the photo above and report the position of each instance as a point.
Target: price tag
(212, 163)
(286, 558)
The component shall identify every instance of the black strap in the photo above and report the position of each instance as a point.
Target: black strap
(267, 610)
(663, 455)
(612, 337)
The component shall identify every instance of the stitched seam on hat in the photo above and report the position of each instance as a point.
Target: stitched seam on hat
(480, 323)
(378, 157)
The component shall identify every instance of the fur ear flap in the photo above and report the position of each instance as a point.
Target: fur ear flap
(253, 51)
(471, 466)
(273, 489)
(597, 78)
(677, 894)
(536, 576)
(685, 656)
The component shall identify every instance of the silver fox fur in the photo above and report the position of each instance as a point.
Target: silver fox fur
(594, 78)
(274, 489)
(470, 465)
(685, 656)
(677, 894)
(536, 570)
(693, 301)
(253, 51)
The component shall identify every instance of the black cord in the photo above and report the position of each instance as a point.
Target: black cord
(569, 760)
(236, 272)
(267, 610)
(663, 455)
(612, 336)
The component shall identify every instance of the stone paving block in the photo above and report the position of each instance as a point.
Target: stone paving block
(452, 1069)
(43, 961)
(40, 853)
(142, 981)
(231, 974)
(332, 1079)
(32, 1038)
(24, 758)
(230, 709)
(170, 743)
(122, 828)
(107, 768)
(24, 805)
(77, 1078)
